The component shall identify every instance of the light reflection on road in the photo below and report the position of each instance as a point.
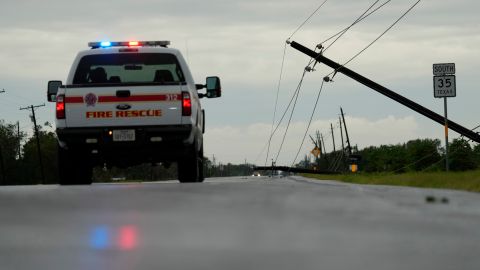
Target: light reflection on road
(128, 237)
(105, 237)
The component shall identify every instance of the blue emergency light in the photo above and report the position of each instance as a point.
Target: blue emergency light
(107, 44)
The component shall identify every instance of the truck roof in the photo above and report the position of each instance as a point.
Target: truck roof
(123, 47)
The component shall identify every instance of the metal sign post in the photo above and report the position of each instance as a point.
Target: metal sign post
(447, 166)
(444, 86)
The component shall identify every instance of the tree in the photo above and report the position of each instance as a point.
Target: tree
(423, 153)
(9, 153)
(30, 162)
(461, 155)
(384, 158)
(476, 152)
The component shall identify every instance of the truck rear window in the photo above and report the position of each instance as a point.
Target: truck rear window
(138, 68)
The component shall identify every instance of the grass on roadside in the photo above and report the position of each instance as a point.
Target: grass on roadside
(469, 181)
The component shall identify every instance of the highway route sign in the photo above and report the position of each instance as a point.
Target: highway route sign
(443, 69)
(444, 86)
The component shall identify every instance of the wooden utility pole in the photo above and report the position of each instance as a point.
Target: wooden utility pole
(341, 134)
(320, 58)
(333, 137)
(31, 107)
(2, 167)
(324, 150)
(19, 141)
(346, 133)
(343, 145)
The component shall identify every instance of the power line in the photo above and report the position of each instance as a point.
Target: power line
(308, 68)
(283, 116)
(309, 17)
(341, 32)
(280, 79)
(375, 40)
(291, 114)
(351, 25)
(276, 102)
(474, 128)
(309, 123)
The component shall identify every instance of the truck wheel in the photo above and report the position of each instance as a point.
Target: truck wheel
(189, 168)
(201, 166)
(73, 169)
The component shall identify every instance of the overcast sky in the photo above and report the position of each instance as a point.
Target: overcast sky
(242, 42)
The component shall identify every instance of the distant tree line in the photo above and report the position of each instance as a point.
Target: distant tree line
(415, 155)
(19, 162)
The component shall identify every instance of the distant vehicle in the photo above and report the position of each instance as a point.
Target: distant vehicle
(127, 103)
(257, 174)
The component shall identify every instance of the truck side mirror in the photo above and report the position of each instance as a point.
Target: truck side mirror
(52, 90)
(214, 89)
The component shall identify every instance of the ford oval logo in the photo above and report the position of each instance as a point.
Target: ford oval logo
(123, 107)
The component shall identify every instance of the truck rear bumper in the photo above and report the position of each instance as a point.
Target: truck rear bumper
(151, 144)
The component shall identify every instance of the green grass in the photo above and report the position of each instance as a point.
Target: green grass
(469, 181)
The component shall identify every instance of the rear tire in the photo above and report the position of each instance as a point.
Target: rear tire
(190, 168)
(74, 168)
(201, 166)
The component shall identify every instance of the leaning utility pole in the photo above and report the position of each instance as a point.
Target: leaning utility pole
(333, 137)
(343, 145)
(324, 150)
(385, 91)
(341, 133)
(346, 133)
(31, 107)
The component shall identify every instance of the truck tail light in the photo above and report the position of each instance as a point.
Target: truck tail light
(60, 108)
(186, 104)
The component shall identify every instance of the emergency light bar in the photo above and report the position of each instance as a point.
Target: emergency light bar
(107, 44)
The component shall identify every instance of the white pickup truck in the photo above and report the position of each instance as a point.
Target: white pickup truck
(127, 103)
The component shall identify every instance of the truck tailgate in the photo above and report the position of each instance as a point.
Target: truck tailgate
(123, 106)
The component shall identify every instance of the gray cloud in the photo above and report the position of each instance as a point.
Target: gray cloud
(242, 41)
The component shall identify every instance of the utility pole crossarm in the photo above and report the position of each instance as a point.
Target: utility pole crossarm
(387, 92)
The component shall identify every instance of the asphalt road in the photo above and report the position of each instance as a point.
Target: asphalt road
(238, 223)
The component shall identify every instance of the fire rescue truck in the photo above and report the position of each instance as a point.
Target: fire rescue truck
(128, 103)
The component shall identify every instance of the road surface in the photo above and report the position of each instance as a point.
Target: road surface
(238, 223)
